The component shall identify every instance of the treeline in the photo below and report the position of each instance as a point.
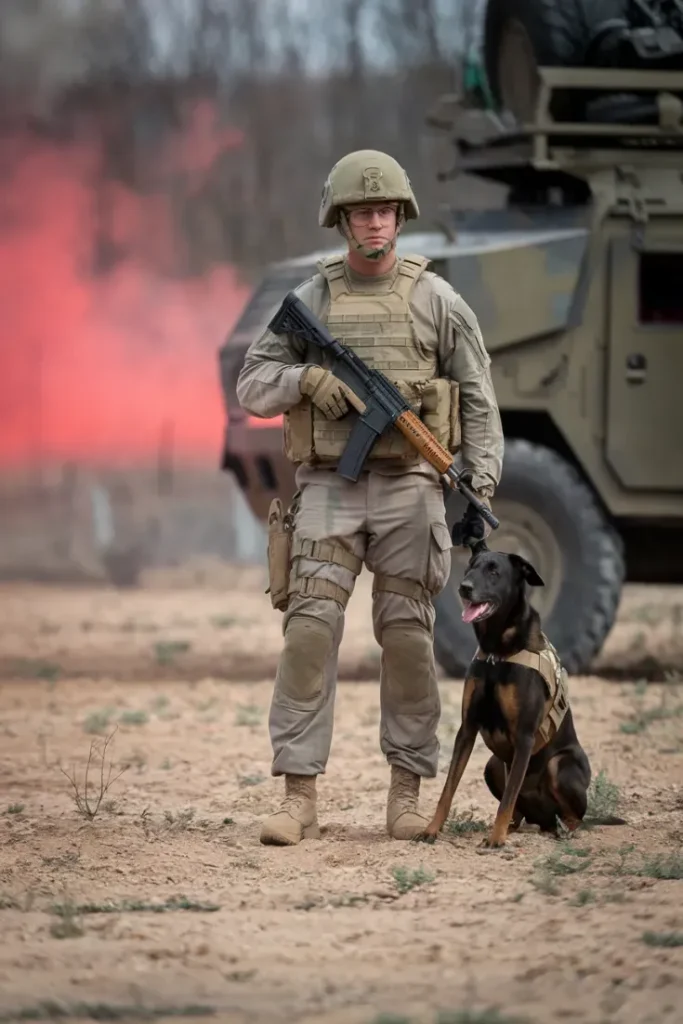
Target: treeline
(300, 83)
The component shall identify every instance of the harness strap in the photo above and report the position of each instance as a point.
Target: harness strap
(547, 664)
(410, 268)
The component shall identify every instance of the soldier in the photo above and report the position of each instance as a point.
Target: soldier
(410, 323)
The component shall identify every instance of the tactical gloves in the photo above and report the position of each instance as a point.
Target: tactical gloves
(325, 390)
(472, 527)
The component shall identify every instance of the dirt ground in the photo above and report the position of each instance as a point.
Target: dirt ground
(165, 905)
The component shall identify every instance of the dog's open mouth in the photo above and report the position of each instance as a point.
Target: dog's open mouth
(473, 612)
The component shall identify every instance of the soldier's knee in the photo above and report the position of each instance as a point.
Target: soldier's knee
(408, 662)
(308, 644)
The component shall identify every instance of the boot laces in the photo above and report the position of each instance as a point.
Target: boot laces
(298, 794)
(405, 786)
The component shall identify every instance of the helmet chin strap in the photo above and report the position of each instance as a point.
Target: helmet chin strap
(367, 251)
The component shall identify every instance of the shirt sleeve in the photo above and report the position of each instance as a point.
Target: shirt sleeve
(463, 358)
(268, 383)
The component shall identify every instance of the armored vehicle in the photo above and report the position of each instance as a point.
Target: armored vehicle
(578, 287)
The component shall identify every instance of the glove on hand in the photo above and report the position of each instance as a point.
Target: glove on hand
(472, 527)
(325, 390)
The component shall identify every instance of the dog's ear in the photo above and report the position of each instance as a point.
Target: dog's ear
(527, 570)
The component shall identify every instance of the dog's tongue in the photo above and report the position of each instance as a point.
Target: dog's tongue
(474, 611)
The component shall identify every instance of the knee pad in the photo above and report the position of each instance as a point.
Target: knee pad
(308, 644)
(408, 662)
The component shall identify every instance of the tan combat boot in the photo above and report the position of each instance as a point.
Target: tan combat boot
(297, 817)
(403, 818)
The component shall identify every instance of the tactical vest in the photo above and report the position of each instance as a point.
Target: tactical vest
(547, 663)
(379, 328)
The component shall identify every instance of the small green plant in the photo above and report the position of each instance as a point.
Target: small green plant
(406, 879)
(464, 823)
(223, 621)
(51, 1010)
(256, 779)
(166, 650)
(583, 897)
(603, 797)
(489, 1016)
(133, 718)
(35, 668)
(181, 820)
(664, 865)
(15, 808)
(173, 903)
(558, 864)
(248, 714)
(391, 1018)
(98, 721)
(643, 717)
(668, 940)
(68, 926)
(545, 883)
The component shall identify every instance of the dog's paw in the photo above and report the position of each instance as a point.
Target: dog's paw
(490, 845)
(424, 837)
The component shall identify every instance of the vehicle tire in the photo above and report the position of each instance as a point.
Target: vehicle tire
(549, 516)
(522, 35)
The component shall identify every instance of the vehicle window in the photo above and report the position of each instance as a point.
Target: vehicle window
(661, 288)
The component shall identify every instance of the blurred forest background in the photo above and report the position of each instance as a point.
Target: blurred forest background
(294, 83)
(154, 156)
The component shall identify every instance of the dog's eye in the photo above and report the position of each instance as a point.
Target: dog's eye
(492, 568)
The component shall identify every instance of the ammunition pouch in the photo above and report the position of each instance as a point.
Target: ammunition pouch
(311, 438)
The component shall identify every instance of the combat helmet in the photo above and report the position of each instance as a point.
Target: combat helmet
(366, 175)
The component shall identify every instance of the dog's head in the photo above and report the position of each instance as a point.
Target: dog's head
(494, 582)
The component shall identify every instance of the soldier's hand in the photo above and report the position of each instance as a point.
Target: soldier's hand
(325, 390)
(472, 527)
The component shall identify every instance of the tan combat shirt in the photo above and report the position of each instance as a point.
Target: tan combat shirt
(268, 383)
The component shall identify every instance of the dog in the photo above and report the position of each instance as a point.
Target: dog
(515, 696)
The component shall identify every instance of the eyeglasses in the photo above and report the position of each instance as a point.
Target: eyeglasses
(364, 214)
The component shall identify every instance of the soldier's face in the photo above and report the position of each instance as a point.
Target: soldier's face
(373, 224)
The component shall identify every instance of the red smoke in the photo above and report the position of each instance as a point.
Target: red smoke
(96, 365)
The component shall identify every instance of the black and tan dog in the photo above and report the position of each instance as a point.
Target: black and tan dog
(515, 695)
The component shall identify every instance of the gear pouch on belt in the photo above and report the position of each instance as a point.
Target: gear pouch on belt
(280, 525)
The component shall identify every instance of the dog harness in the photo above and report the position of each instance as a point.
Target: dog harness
(547, 664)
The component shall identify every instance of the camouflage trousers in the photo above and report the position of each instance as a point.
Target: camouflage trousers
(395, 525)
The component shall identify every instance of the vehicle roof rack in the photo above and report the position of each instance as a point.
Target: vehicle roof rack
(628, 114)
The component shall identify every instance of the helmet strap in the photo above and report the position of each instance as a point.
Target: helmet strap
(371, 253)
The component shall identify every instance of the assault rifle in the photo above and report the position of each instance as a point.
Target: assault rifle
(379, 403)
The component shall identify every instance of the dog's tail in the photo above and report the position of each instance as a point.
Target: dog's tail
(606, 819)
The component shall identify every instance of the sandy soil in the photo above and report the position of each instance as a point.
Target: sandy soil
(165, 905)
(206, 620)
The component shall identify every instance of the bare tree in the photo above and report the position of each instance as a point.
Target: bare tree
(302, 88)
